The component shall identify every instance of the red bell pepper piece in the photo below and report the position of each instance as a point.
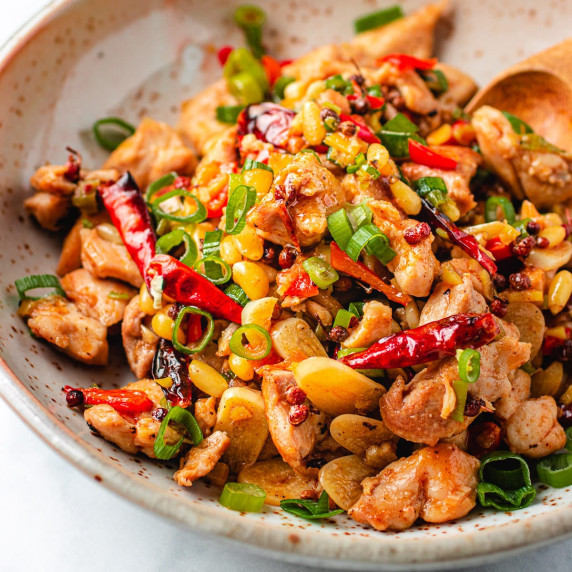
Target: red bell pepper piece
(466, 242)
(498, 248)
(552, 343)
(364, 131)
(215, 206)
(427, 343)
(223, 54)
(424, 156)
(302, 286)
(342, 262)
(404, 62)
(188, 287)
(272, 68)
(484, 438)
(129, 214)
(268, 121)
(124, 401)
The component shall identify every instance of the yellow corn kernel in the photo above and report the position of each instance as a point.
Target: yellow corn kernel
(405, 197)
(566, 397)
(464, 133)
(552, 219)
(450, 275)
(241, 367)
(441, 135)
(346, 148)
(249, 244)
(251, 278)
(295, 90)
(559, 291)
(554, 234)
(229, 251)
(163, 325)
(146, 302)
(377, 154)
(314, 89)
(260, 179)
(297, 125)
(207, 378)
(557, 332)
(313, 128)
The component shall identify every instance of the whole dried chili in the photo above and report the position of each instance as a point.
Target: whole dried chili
(188, 287)
(342, 262)
(129, 214)
(427, 343)
(466, 242)
(168, 362)
(124, 401)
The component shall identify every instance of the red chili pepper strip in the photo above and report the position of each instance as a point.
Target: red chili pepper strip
(424, 156)
(342, 262)
(272, 68)
(125, 401)
(404, 62)
(215, 206)
(466, 242)
(427, 343)
(188, 287)
(498, 248)
(364, 131)
(484, 438)
(129, 214)
(302, 287)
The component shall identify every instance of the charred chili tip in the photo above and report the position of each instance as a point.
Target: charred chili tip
(74, 398)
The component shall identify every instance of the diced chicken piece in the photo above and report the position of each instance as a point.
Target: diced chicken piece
(544, 177)
(436, 484)
(461, 87)
(413, 411)
(105, 259)
(139, 342)
(414, 267)
(198, 119)
(294, 442)
(205, 414)
(447, 300)
(48, 209)
(51, 179)
(519, 392)
(457, 181)
(104, 300)
(303, 195)
(375, 324)
(201, 460)
(62, 324)
(150, 388)
(154, 150)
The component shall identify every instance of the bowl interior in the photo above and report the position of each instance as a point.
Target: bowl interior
(88, 59)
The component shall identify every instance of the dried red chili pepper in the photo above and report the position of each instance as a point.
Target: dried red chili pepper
(364, 131)
(405, 62)
(125, 401)
(466, 242)
(424, 156)
(427, 343)
(498, 248)
(484, 438)
(188, 287)
(342, 262)
(302, 286)
(129, 214)
(168, 362)
(267, 121)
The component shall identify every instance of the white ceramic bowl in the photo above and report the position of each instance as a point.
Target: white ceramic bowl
(81, 60)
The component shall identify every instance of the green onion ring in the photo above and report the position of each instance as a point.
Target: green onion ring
(240, 202)
(378, 19)
(321, 273)
(343, 318)
(107, 143)
(208, 262)
(206, 337)
(238, 348)
(340, 228)
(169, 241)
(160, 448)
(236, 293)
(228, 113)
(469, 365)
(363, 237)
(162, 182)
(310, 152)
(244, 497)
(460, 388)
(39, 281)
(198, 216)
(556, 470)
(308, 509)
(493, 203)
(250, 164)
(568, 445)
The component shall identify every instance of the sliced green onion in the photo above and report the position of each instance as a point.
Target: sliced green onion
(356, 308)
(86, 223)
(505, 500)
(228, 113)
(377, 19)
(241, 200)
(332, 106)
(211, 247)
(38, 281)
(342, 352)
(311, 510)
(400, 124)
(493, 204)
(460, 388)
(343, 318)
(374, 90)
(236, 293)
(167, 242)
(244, 497)
(280, 85)
(340, 228)
(568, 445)
(162, 182)
(260, 351)
(85, 201)
(321, 273)
(371, 171)
(199, 215)
(234, 181)
(338, 83)
(436, 81)
(518, 125)
(556, 470)
(469, 365)
(370, 235)
(119, 295)
(221, 275)
(163, 227)
(251, 19)
(205, 338)
(354, 167)
(252, 164)
(433, 189)
(397, 144)
(121, 130)
(310, 152)
(160, 448)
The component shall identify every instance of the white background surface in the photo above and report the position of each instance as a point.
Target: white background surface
(54, 518)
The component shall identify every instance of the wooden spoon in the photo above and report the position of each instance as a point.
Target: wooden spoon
(538, 91)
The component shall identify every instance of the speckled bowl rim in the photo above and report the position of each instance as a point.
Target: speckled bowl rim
(481, 547)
